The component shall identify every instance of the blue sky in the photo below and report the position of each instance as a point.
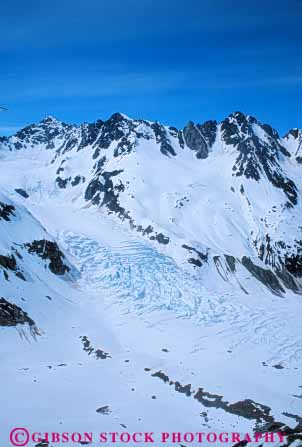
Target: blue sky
(165, 60)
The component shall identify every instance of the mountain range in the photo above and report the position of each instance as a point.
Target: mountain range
(130, 223)
(171, 185)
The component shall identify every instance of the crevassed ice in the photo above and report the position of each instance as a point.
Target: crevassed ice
(148, 280)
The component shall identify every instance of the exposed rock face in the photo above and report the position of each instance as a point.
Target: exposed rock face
(293, 142)
(162, 138)
(97, 353)
(201, 257)
(45, 134)
(277, 253)
(248, 409)
(200, 137)
(24, 279)
(11, 315)
(6, 211)
(9, 264)
(50, 251)
(22, 193)
(257, 155)
(265, 276)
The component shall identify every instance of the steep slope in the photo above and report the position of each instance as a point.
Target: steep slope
(171, 186)
(33, 269)
(293, 142)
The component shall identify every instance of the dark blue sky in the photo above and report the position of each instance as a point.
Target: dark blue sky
(156, 59)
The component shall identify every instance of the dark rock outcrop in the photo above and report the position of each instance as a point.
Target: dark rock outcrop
(49, 250)
(162, 138)
(265, 276)
(9, 263)
(195, 140)
(22, 193)
(256, 155)
(6, 211)
(201, 257)
(11, 315)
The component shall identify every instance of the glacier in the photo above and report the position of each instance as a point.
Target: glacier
(155, 272)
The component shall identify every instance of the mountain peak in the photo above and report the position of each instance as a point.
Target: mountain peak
(239, 115)
(245, 124)
(49, 119)
(241, 118)
(117, 116)
(295, 133)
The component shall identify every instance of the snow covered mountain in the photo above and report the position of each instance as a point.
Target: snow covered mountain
(172, 185)
(195, 231)
(29, 260)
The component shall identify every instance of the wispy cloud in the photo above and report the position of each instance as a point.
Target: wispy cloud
(120, 83)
